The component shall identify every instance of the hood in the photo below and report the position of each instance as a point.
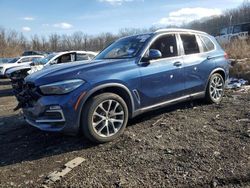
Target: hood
(68, 71)
(17, 68)
(8, 65)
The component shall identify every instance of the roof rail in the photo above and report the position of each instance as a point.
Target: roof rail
(178, 30)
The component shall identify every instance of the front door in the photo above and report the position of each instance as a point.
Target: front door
(162, 79)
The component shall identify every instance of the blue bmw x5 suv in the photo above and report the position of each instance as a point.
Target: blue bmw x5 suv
(133, 75)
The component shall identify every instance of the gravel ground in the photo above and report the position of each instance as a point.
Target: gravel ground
(188, 145)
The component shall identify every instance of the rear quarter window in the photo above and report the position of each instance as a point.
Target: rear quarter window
(207, 44)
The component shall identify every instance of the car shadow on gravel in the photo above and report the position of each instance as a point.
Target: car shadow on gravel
(20, 142)
(154, 113)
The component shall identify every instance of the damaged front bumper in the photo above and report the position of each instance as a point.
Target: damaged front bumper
(48, 119)
(55, 113)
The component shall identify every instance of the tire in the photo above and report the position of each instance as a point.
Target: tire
(102, 120)
(215, 89)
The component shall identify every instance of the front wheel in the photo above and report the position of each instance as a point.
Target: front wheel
(105, 117)
(215, 88)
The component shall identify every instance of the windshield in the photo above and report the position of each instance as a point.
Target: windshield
(14, 60)
(45, 59)
(124, 48)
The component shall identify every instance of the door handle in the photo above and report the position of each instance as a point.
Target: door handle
(209, 57)
(177, 64)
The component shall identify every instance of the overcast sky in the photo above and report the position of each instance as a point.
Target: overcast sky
(43, 17)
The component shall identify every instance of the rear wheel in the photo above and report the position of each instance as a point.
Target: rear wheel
(215, 88)
(105, 117)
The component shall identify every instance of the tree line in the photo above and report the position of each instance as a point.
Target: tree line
(13, 43)
(230, 17)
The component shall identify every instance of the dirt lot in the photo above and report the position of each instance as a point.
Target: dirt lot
(189, 145)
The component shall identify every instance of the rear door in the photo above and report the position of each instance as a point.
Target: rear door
(197, 62)
(162, 79)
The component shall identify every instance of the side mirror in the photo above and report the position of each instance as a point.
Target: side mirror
(154, 54)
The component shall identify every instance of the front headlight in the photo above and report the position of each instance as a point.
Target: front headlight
(62, 87)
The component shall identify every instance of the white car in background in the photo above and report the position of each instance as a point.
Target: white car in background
(61, 57)
(18, 74)
(51, 59)
(18, 62)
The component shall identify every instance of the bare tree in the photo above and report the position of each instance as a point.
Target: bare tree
(13, 43)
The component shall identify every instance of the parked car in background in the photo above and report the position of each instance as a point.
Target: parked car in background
(17, 74)
(62, 57)
(5, 60)
(235, 32)
(17, 62)
(52, 59)
(29, 53)
(133, 75)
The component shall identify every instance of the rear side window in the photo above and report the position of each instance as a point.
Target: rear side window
(166, 45)
(35, 58)
(224, 31)
(207, 44)
(190, 44)
(246, 27)
(26, 59)
(81, 57)
(237, 29)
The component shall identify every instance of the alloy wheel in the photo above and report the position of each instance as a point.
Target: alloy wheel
(216, 88)
(108, 118)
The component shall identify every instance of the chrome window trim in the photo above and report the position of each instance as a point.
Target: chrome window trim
(179, 44)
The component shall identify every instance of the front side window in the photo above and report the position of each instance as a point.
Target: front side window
(166, 45)
(207, 44)
(65, 58)
(125, 48)
(190, 44)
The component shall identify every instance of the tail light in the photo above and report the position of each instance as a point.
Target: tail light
(226, 56)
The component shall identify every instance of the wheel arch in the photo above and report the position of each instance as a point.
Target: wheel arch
(221, 71)
(115, 88)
